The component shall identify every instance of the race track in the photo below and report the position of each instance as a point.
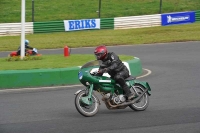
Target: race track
(174, 105)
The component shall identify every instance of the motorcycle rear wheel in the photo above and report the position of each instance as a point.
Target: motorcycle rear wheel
(86, 110)
(143, 102)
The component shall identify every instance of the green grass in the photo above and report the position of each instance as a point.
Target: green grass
(51, 61)
(178, 33)
(51, 10)
(45, 10)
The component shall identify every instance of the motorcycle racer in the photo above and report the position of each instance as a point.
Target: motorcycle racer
(114, 67)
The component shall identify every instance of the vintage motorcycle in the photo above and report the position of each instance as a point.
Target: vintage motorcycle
(87, 103)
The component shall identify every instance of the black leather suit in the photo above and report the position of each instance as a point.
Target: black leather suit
(116, 69)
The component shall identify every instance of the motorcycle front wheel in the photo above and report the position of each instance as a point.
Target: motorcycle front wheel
(86, 110)
(143, 102)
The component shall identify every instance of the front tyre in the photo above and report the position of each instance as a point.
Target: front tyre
(86, 110)
(143, 102)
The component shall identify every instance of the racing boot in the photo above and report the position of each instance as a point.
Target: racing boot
(128, 93)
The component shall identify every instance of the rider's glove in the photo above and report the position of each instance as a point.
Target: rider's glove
(35, 50)
(95, 73)
(102, 70)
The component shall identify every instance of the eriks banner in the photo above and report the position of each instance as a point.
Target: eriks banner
(71, 25)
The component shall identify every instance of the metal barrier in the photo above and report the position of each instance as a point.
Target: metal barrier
(105, 23)
(197, 15)
(15, 28)
(137, 21)
(47, 27)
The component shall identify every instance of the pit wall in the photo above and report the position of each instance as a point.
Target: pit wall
(10, 79)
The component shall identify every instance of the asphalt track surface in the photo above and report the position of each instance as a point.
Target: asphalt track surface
(174, 105)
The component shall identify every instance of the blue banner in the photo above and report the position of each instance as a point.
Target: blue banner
(178, 18)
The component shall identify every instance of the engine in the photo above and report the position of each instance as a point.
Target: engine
(119, 99)
(116, 99)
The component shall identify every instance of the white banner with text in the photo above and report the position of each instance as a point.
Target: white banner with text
(83, 24)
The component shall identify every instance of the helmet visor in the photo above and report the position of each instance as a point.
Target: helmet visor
(98, 56)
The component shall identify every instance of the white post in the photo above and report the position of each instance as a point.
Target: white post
(22, 29)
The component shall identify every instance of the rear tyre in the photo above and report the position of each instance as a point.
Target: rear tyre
(143, 102)
(86, 110)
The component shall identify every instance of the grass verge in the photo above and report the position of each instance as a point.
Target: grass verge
(50, 61)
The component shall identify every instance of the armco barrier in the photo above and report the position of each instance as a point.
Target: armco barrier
(107, 23)
(50, 77)
(48, 27)
(15, 28)
(126, 22)
(197, 15)
(137, 21)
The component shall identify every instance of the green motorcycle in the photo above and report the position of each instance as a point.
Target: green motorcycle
(87, 103)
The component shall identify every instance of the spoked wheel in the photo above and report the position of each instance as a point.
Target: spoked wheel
(143, 102)
(84, 109)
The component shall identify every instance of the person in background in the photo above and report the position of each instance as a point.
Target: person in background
(26, 43)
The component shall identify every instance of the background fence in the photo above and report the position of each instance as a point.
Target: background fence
(51, 26)
(53, 10)
(105, 23)
(197, 15)
(137, 21)
(15, 28)
(58, 26)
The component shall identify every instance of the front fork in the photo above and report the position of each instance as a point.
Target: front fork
(88, 98)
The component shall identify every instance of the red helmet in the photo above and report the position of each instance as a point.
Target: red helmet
(100, 52)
